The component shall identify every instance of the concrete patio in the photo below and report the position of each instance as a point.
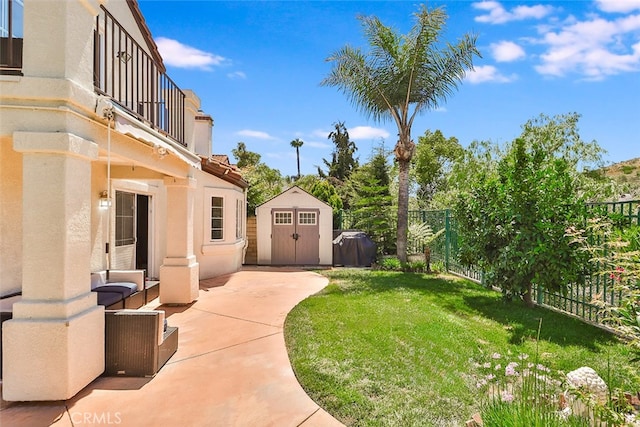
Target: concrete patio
(231, 367)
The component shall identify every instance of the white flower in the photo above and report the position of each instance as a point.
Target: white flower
(565, 413)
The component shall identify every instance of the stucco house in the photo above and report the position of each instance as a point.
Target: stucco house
(105, 163)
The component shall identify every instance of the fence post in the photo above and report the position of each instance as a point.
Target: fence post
(539, 296)
(447, 239)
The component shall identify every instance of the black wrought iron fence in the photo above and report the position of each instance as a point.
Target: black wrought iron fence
(135, 79)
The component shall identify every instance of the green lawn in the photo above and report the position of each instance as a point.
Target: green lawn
(393, 349)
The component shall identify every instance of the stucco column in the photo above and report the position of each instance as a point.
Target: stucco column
(54, 345)
(180, 270)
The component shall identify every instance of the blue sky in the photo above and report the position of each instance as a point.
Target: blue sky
(257, 67)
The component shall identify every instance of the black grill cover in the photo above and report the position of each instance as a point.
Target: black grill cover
(353, 249)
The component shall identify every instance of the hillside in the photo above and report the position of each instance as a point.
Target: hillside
(626, 173)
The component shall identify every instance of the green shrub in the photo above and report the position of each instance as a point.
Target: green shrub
(390, 264)
(627, 169)
(417, 266)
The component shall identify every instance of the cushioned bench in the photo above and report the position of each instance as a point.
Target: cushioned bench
(137, 342)
(118, 289)
(6, 313)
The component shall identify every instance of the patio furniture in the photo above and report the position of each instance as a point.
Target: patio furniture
(119, 289)
(137, 342)
(152, 290)
(6, 313)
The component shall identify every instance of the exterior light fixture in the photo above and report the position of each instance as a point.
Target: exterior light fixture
(123, 56)
(105, 201)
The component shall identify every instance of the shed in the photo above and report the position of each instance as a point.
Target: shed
(294, 228)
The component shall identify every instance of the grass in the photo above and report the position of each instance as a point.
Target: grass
(379, 348)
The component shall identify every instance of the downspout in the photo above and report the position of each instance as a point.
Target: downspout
(246, 239)
(108, 113)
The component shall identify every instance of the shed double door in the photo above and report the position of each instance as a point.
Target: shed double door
(295, 236)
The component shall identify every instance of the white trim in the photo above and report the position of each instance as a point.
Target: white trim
(315, 218)
(275, 216)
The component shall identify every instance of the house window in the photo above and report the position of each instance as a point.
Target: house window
(217, 218)
(125, 218)
(283, 218)
(239, 215)
(307, 218)
(11, 33)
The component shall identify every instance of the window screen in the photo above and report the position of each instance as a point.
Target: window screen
(125, 218)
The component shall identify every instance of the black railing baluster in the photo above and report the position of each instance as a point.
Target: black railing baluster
(137, 82)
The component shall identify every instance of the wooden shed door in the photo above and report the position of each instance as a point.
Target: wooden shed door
(295, 237)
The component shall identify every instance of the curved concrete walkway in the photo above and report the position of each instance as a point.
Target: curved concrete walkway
(231, 367)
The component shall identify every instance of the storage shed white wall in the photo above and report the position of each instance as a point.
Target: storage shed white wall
(294, 198)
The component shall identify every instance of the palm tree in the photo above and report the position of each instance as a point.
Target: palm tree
(401, 76)
(297, 143)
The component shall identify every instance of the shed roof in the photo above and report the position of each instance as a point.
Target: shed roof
(291, 190)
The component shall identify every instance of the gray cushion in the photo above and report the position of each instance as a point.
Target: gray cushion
(108, 298)
(125, 288)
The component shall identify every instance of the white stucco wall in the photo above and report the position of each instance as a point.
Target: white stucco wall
(218, 257)
(294, 197)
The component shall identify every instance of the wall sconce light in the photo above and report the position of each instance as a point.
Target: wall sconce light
(105, 201)
(123, 56)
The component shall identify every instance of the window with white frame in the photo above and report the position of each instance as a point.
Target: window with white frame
(283, 218)
(217, 218)
(307, 218)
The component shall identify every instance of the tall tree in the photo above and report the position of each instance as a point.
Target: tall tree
(371, 201)
(264, 181)
(245, 157)
(513, 223)
(297, 143)
(433, 159)
(401, 76)
(342, 162)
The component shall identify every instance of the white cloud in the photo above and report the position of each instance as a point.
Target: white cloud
(182, 56)
(320, 133)
(367, 132)
(486, 74)
(622, 6)
(506, 51)
(495, 13)
(255, 134)
(595, 48)
(316, 144)
(237, 75)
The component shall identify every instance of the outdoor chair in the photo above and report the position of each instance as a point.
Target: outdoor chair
(118, 289)
(137, 342)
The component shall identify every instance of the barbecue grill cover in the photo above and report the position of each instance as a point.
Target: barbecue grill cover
(353, 249)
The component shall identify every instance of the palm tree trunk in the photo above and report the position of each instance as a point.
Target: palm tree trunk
(298, 157)
(403, 209)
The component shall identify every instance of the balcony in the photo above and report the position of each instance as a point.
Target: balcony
(131, 77)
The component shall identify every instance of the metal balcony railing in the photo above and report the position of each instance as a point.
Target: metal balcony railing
(124, 71)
